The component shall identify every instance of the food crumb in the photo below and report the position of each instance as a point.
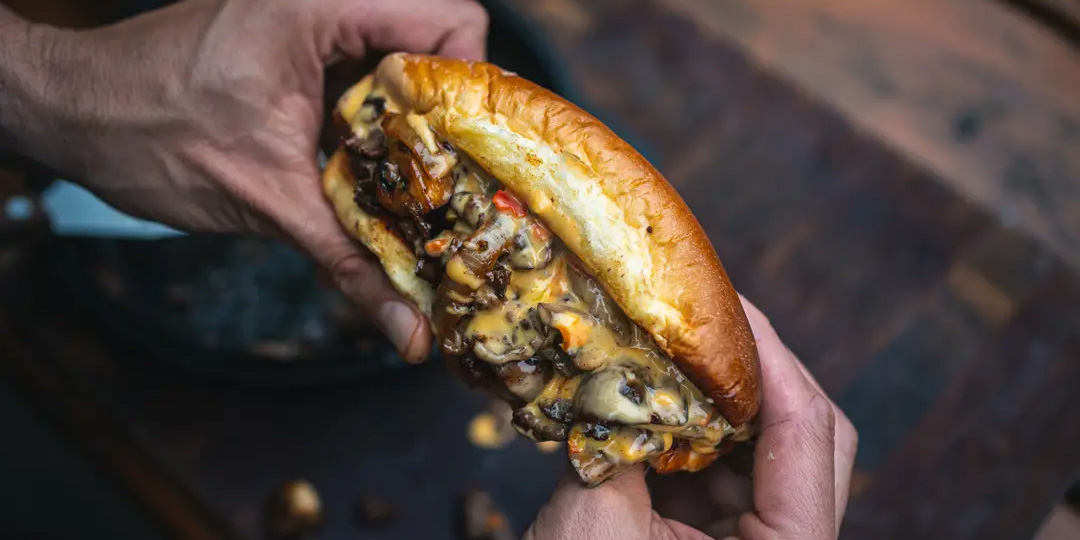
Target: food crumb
(548, 447)
(491, 429)
(481, 518)
(294, 511)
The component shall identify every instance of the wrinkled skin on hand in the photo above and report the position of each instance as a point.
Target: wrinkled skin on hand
(802, 470)
(206, 116)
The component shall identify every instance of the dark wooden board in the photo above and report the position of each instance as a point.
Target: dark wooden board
(972, 90)
(202, 455)
(896, 289)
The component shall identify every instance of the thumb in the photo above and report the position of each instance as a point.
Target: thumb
(308, 219)
(617, 509)
(360, 276)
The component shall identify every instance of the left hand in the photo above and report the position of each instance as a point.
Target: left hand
(206, 116)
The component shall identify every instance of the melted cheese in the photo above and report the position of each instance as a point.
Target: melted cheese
(646, 422)
(420, 125)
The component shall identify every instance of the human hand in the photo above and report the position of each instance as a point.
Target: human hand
(802, 470)
(206, 116)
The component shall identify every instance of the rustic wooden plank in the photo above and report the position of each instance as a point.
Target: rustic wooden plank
(969, 89)
(837, 238)
(1001, 444)
(903, 381)
(102, 436)
(886, 281)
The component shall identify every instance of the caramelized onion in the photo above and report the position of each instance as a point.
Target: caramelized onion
(438, 165)
(478, 254)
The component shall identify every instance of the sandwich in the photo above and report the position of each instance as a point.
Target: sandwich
(559, 270)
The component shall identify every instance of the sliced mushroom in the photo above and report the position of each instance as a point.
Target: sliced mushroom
(597, 460)
(667, 402)
(486, 297)
(559, 410)
(473, 208)
(555, 354)
(613, 394)
(531, 247)
(584, 339)
(600, 305)
(530, 422)
(525, 379)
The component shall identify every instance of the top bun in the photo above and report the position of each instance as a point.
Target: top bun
(611, 208)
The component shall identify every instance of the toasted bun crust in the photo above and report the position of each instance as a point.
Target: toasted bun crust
(614, 210)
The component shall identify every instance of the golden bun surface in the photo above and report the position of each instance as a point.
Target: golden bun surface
(611, 208)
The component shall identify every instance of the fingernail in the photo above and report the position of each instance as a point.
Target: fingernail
(399, 322)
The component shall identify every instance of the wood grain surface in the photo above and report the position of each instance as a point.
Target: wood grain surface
(909, 300)
(892, 182)
(969, 89)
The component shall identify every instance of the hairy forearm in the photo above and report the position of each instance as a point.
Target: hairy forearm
(20, 80)
(73, 100)
(38, 69)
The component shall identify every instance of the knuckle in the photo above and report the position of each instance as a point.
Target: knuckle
(346, 266)
(819, 424)
(474, 16)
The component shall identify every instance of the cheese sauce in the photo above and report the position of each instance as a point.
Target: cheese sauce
(515, 308)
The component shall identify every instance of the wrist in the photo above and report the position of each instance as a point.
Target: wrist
(17, 38)
(30, 114)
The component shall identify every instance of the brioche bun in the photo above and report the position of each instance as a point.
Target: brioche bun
(608, 205)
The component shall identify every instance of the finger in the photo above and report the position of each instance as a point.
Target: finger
(794, 473)
(450, 28)
(604, 512)
(846, 437)
(305, 216)
(846, 442)
(794, 490)
(683, 531)
(731, 494)
(788, 389)
(359, 275)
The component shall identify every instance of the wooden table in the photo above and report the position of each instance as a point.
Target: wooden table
(895, 182)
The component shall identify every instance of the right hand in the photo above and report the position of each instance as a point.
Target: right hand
(802, 470)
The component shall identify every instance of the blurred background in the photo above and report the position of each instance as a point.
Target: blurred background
(896, 183)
